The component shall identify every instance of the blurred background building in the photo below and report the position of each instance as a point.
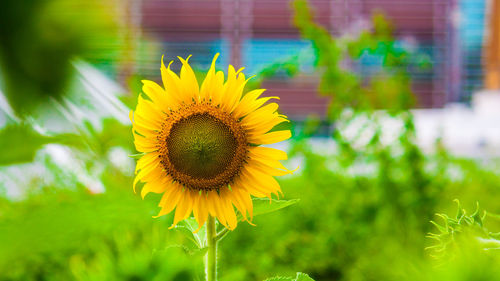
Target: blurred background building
(257, 33)
(448, 35)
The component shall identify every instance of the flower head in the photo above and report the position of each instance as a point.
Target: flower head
(201, 145)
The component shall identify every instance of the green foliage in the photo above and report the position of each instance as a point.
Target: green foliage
(367, 205)
(346, 228)
(354, 104)
(130, 258)
(311, 126)
(364, 208)
(190, 228)
(19, 143)
(388, 89)
(74, 235)
(36, 52)
(112, 134)
(263, 206)
(463, 228)
(300, 277)
(197, 235)
(288, 67)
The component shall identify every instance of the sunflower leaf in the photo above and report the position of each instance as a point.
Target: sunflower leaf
(263, 206)
(279, 278)
(300, 277)
(188, 227)
(200, 252)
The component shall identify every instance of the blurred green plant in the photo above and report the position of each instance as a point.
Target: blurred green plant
(300, 277)
(36, 52)
(370, 192)
(363, 213)
(463, 228)
(130, 257)
(92, 143)
(355, 101)
(62, 234)
(11, 136)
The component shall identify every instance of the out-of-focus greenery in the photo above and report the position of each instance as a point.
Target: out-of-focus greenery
(344, 229)
(38, 40)
(299, 277)
(10, 138)
(369, 204)
(364, 210)
(464, 228)
(73, 235)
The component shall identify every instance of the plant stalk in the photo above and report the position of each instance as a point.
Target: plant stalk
(211, 257)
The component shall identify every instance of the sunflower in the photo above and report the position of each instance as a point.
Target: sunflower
(202, 145)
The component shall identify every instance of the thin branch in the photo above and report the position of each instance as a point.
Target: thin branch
(221, 234)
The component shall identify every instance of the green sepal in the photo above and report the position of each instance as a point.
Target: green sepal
(137, 155)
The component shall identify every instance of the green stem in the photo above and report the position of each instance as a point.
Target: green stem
(211, 257)
(221, 234)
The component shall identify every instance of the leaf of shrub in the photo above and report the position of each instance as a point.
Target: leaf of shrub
(19, 143)
(279, 278)
(188, 227)
(302, 277)
(263, 206)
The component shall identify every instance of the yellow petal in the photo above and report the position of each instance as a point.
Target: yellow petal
(154, 175)
(269, 138)
(157, 95)
(267, 169)
(149, 113)
(234, 90)
(229, 213)
(141, 125)
(210, 206)
(265, 126)
(145, 171)
(262, 114)
(236, 199)
(268, 152)
(267, 161)
(158, 185)
(261, 181)
(144, 146)
(203, 209)
(200, 211)
(144, 132)
(208, 85)
(172, 83)
(146, 160)
(184, 207)
(214, 200)
(217, 93)
(252, 186)
(170, 199)
(188, 80)
(247, 201)
(249, 103)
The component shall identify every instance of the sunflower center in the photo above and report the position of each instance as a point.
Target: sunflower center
(201, 146)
